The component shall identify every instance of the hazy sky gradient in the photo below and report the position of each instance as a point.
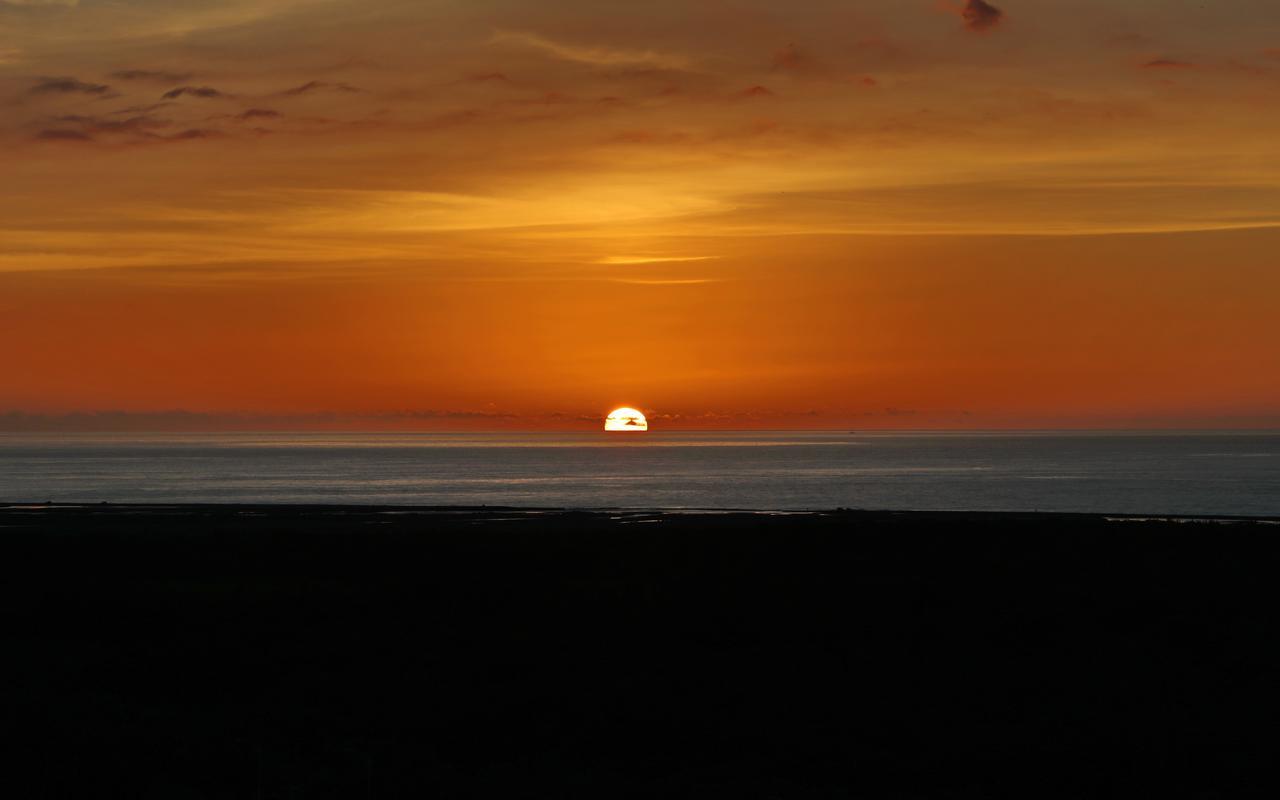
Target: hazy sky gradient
(831, 213)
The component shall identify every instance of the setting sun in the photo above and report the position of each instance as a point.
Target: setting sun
(626, 420)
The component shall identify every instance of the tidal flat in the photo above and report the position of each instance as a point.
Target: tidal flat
(367, 652)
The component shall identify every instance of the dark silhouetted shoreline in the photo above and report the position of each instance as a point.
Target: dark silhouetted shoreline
(343, 652)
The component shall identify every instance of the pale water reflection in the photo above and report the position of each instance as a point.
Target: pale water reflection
(1236, 473)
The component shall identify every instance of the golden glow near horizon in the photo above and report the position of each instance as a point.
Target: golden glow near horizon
(626, 420)
(829, 214)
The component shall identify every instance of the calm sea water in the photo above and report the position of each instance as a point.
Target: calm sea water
(1121, 473)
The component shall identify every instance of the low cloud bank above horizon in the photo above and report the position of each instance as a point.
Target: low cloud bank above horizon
(885, 419)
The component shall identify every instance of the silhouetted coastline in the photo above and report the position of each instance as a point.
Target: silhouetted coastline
(306, 651)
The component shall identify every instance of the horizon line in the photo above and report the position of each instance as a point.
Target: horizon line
(1275, 430)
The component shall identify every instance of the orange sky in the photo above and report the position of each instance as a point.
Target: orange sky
(484, 214)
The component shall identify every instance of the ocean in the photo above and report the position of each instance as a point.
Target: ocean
(1137, 473)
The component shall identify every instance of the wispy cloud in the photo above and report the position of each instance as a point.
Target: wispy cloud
(625, 260)
(587, 54)
(666, 281)
(792, 58)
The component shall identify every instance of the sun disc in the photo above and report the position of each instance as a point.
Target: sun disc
(626, 420)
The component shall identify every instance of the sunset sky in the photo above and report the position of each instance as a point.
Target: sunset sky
(725, 213)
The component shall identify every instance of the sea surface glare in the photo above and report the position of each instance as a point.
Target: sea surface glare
(1186, 474)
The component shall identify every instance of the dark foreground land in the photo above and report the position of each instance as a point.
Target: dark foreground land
(219, 652)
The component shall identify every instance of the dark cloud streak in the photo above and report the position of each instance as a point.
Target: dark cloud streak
(193, 91)
(315, 86)
(92, 125)
(980, 16)
(257, 113)
(147, 109)
(61, 135)
(68, 86)
(195, 133)
(792, 59)
(150, 75)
